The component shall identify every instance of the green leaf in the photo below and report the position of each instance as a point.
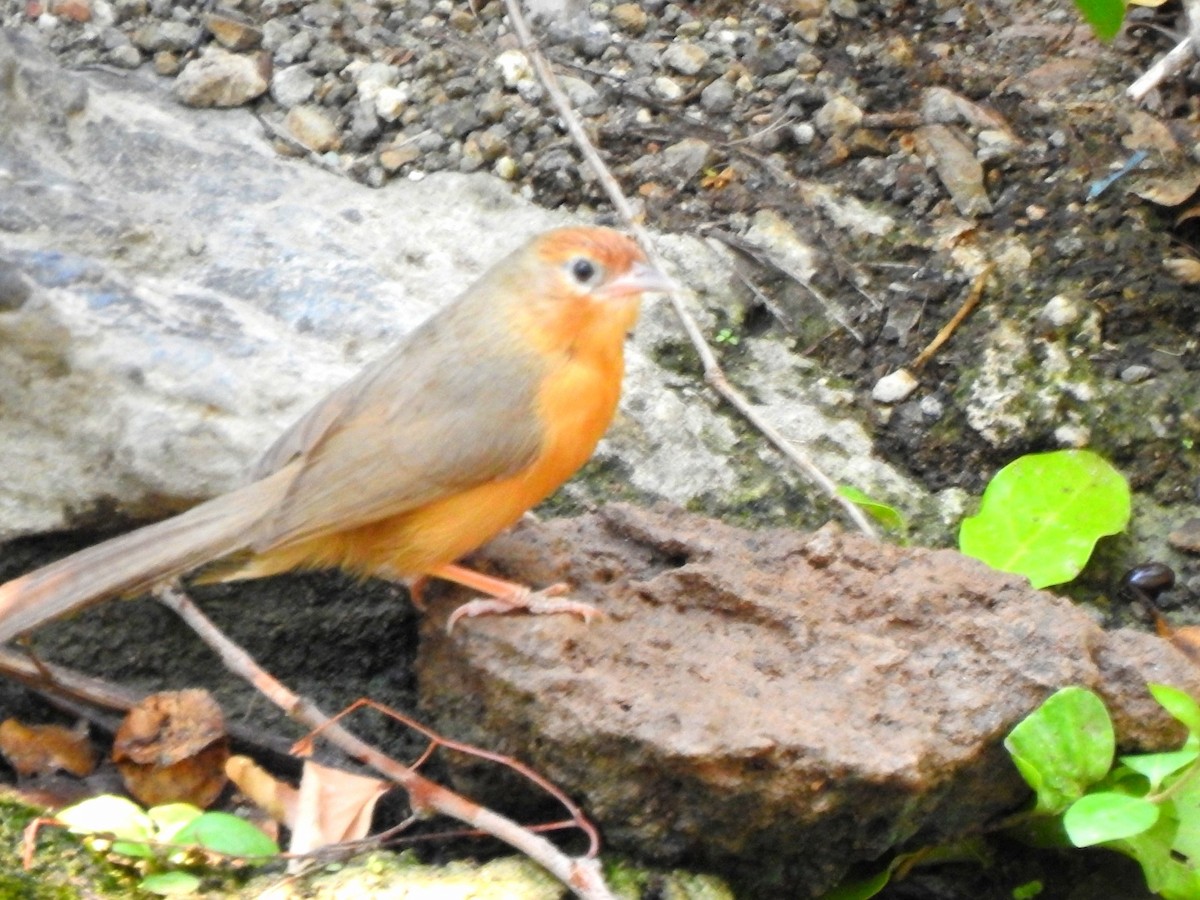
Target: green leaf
(170, 883)
(1165, 876)
(227, 834)
(860, 889)
(1105, 16)
(1028, 890)
(1042, 514)
(1107, 816)
(108, 814)
(1063, 746)
(1157, 766)
(1179, 704)
(885, 515)
(170, 818)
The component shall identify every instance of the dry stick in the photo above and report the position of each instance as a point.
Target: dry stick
(1175, 60)
(950, 327)
(582, 876)
(713, 374)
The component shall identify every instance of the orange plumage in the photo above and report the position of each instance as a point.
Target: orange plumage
(478, 415)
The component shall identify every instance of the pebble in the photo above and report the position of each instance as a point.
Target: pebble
(220, 78)
(687, 158)
(1136, 374)
(894, 387)
(956, 166)
(838, 116)
(718, 97)
(630, 17)
(232, 31)
(665, 88)
(684, 58)
(292, 85)
(312, 128)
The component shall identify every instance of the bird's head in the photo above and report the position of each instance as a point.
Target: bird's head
(582, 285)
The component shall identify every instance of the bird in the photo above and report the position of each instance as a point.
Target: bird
(474, 417)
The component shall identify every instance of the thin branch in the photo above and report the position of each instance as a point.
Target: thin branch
(713, 374)
(582, 876)
(1176, 60)
(971, 301)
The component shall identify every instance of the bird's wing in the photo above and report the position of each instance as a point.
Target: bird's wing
(443, 412)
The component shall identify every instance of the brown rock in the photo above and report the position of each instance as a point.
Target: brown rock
(944, 149)
(232, 31)
(809, 699)
(221, 78)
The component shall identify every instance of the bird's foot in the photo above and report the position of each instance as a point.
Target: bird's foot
(548, 601)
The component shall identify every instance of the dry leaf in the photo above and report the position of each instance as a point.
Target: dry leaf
(715, 181)
(172, 747)
(334, 806)
(1168, 191)
(1189, 213)
(44, 749)
(1183, 270)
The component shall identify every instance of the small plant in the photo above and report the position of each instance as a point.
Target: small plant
(163, 842)
(1042, 514)
(1147, 806)
(727, 336)
(887, 516)
(1106, 16)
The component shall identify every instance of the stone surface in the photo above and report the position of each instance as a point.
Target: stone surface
(221, 78)
(171, 310)
(748, 696)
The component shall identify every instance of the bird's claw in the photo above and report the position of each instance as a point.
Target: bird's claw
(548, 601)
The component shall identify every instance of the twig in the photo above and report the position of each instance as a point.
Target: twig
(950, 327)
(1176, 59)
(713, 374)
(582, 876)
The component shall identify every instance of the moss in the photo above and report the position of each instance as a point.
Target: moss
(63, 868)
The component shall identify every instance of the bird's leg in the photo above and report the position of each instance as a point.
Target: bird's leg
(508, 596)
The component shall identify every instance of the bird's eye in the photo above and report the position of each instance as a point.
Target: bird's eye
(583, 270)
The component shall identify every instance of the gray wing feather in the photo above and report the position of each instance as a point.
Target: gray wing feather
(408, 430)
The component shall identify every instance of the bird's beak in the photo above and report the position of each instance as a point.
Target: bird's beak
(641, 278)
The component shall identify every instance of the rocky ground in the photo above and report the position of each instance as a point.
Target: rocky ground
(882, 153)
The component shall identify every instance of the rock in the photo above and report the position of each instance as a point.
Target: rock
(1187, 536)
(313, 128)
(717, 97)
(232, 31)
(72, 10)
(220, 78)
(156, 36)
(665, 88)
(839, 116)
(804, 677)
(894, 387)
(292, 85)
(685, 58)
(630, 17)
(390, 102)
(686, 159)
(1136, 374)
(944, 149)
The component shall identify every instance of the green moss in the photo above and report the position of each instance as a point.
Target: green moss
(63, 869)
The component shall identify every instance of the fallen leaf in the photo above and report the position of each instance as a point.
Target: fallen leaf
(1183, 270)
(334, 806)
(44, 749)
(1168, 190)
(172, 747)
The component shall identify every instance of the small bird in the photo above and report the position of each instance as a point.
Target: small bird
(476, 416)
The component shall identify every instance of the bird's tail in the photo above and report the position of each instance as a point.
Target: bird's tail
(136, 561)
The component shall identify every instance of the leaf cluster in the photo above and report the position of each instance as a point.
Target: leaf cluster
(1146, 806)
(170, 844)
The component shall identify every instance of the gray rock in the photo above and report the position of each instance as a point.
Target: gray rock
(718, 97)
(685, 58)
(176, 36)
(220, 78)
(292, 85)
(312, 127)
(945, 149)
(686, 159)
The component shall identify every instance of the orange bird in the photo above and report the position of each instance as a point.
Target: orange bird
(479, 414)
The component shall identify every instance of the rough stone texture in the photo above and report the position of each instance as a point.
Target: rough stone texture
(775, 704)
(173, 295)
